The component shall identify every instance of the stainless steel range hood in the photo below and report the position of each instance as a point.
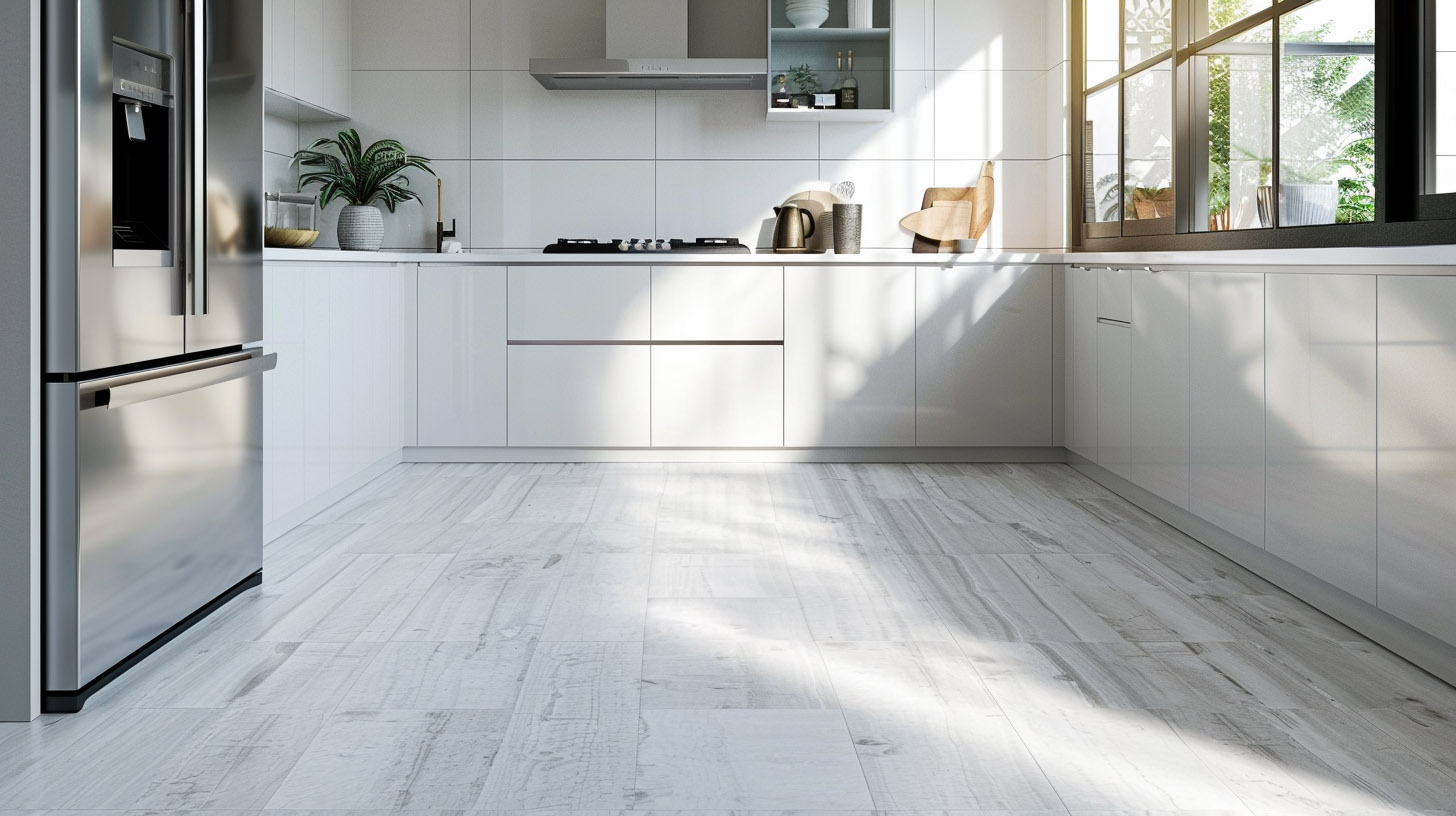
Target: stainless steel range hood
(647, 49)
(651, 74)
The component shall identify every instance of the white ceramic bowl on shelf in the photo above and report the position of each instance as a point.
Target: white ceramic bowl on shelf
(807, 13)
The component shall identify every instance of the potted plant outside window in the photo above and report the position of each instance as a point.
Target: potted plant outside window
(361, 178)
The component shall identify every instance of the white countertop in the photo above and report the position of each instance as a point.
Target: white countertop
(525, 258)
(1342, 259)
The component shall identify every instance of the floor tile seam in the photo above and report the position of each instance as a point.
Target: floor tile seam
(1213, 773)
(1401, 741)
(839, 703)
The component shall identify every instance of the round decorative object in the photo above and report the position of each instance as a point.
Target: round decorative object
(807, 13)
(361, 227)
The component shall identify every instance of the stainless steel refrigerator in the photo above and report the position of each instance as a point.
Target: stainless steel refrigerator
(153, 311)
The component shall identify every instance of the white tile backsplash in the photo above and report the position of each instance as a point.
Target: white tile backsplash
(535, 123)
(506, 34)
(428, 111)
(889, 191)
(908, 135)
(537, 202)
(991, 115)
(419, 35)
(976, 80)
(727, 199)
(991, 35)
(728, 125)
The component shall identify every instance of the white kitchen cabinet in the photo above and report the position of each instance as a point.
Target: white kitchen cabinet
(580, 303)
(1114, 294)
(1320, 424)
(718, 396)
(307, 57)
(1114, 395)
(714, 303)
(308, 51)
(1159, 443)
(1081, 366)
(462, 357)
(337, 51)
(1417, 442)
(333, 404)
(849, 356)
(279, 48)
(1226, 392)
(580, 396)
(983, 356)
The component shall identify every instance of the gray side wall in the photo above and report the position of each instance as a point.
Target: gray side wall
(20, 362)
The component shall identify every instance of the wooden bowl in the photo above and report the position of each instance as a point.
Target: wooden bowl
(286, 238)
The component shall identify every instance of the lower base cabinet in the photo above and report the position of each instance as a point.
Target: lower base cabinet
(1320, 427)
(1159, 449)
(1114, 398)
(579, 396)
(983, 356)
(1226, 401)
(849, 356)
(462, 357)
(1417, 439)
(723, 396)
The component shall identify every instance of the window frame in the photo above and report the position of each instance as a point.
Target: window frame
(1404, 213)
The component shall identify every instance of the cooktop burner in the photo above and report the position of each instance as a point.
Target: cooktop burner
(583, 246)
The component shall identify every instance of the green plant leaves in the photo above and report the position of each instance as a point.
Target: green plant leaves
(357, 175)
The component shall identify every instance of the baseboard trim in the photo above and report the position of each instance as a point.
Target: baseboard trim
(70, 702)
(1426, 651)
(281, 525)
(731, 455)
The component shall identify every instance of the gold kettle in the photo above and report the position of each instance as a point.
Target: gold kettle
(793, 229)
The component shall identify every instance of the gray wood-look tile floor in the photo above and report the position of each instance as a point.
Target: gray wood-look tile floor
(828, 638)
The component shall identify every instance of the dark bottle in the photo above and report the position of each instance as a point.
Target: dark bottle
(849, 90)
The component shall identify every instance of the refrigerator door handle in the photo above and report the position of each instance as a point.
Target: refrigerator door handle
(196, 119)
(130, 389)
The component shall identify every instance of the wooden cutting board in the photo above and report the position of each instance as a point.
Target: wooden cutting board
(932, 196)
(944, 221)
(984, 194)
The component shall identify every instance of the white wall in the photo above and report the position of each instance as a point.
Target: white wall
(522, 166)
(20, 364)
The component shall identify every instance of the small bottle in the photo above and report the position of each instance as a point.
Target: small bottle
(849, 89)
(838, 72)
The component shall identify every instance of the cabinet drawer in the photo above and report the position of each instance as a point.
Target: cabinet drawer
(717, 303)
(1114, 295)
(576, 303)
(580, 396)
(717, 396)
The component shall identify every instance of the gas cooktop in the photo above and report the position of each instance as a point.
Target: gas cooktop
(585, 246)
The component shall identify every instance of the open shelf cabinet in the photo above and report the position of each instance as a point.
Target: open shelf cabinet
(874, 60)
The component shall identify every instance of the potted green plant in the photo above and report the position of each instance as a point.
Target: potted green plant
(360, 178)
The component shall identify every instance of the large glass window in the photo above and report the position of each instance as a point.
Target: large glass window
(1237, 81)
(1244, 115)
(1327, 113)
(1441, 177)
(1147, 163)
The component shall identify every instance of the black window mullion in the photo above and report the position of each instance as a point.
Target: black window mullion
(1277, 126)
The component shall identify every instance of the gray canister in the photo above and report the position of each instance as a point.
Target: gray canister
(847, 219)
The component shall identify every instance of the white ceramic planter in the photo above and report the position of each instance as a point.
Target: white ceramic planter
(361, 227)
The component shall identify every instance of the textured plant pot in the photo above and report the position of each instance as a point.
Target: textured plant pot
(361, 227)
(1308, 204)
(846, 227)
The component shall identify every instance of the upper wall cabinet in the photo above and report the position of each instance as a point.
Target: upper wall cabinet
(804, 36)
(307, 58)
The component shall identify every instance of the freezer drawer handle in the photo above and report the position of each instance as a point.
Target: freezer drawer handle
(100, 394)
